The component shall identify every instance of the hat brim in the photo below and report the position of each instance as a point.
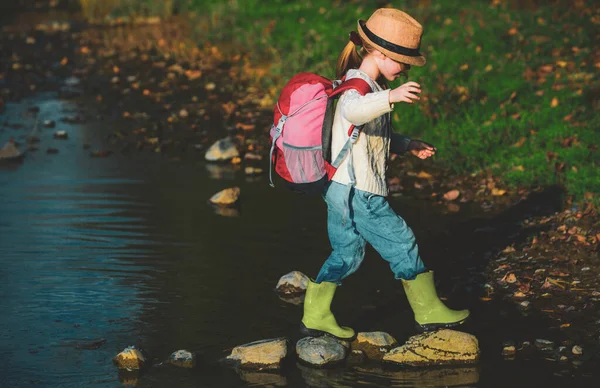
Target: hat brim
(418, 60)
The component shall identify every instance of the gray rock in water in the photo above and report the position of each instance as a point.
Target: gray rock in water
(10, 151)
(294, 282)
(260, 355)
(182, 358)
(321, 351)
(436, 348)
(223, 149)
(374, 344)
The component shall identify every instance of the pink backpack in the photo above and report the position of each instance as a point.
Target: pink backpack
(301, 131)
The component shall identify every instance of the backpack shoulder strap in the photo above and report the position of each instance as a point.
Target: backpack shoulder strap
(358, 84)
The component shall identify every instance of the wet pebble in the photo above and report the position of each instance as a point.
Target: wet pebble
(61, 135)
(226, 197)
(509, 348)
(49, 124)
(223, 149)
(320, 351)
(130, 358)
(182, 358)
(292, 283)
(543, 344)
(374, 344)
(262, 355)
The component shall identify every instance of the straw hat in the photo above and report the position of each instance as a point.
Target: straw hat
(395, 33)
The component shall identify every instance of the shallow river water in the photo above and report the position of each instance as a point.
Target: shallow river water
(100, 253)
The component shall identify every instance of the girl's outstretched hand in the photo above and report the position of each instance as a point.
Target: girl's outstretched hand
(405, 93)
(420, 149)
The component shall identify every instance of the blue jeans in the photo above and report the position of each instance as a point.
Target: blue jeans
(355, 217)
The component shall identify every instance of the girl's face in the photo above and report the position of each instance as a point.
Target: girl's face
(391, 69)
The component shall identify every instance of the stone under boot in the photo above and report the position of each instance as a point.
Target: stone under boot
(318, 319)
(430, 312)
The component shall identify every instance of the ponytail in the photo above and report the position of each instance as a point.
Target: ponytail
(349, 59)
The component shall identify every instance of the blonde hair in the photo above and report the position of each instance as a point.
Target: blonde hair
(351, 57)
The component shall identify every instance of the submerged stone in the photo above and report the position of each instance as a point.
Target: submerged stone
(130, 358)
(320, 351)
(182, 358)
(374, 344)
(436, 348)
(260, 355)
(294, 282)
(226, 197)
(223, 149)
(10, 151)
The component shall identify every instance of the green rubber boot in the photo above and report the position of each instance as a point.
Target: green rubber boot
(430, 312)
(318, 319)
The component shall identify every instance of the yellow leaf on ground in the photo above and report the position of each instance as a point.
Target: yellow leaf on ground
(554, 102)
(464, 67)
(518, 168)
(424, 175)
(498, 192)
(520, 142)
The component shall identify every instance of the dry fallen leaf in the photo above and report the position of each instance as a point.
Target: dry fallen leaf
(520, 142)
(554, 102)
(510, 278)
(451, 195)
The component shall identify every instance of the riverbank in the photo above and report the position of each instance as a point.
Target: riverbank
(168, 98)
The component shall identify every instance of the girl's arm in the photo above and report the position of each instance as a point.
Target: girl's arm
(359, 110)
(399, 143)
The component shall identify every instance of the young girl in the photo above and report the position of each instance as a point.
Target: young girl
(357, 209)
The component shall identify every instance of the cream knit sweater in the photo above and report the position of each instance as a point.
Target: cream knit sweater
(371, 150)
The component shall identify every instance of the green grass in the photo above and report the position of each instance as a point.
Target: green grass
(489, 103)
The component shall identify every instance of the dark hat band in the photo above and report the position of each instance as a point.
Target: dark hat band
(389, 45)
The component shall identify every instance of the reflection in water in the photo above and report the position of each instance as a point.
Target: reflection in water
(262, 379)
(421, 377)
(222, 171)
(376, 376)
(65, 248)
